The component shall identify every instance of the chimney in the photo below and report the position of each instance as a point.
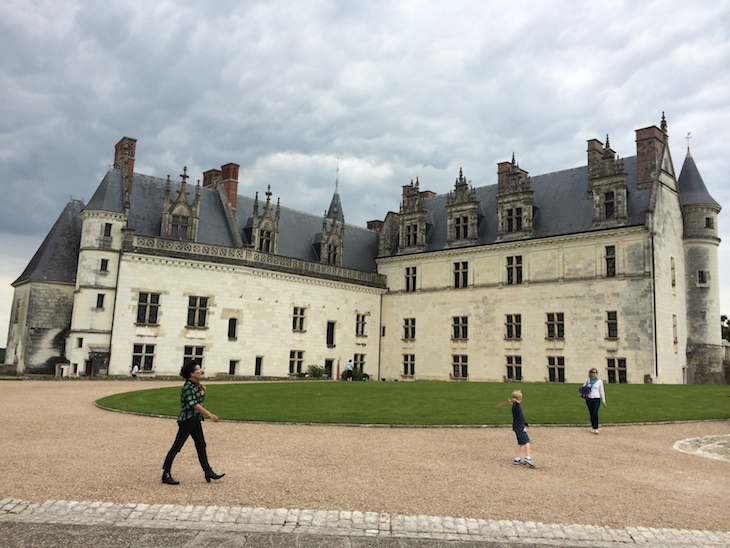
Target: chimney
(124, 158)
(376, 225)
(650, 143)
(229, 176)
(595, 153)
(210, 177)
(502, 171)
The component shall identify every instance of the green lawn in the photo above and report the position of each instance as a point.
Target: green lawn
(433, 403)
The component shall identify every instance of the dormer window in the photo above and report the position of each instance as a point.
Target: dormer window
(461, 227)
(514, 219)
(609, 205)
(265, 241)
(411, 235)
(180, 227)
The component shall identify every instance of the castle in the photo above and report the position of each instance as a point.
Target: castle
(612, 265)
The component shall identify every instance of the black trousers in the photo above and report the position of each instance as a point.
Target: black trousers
(193, 428)
(594, 404)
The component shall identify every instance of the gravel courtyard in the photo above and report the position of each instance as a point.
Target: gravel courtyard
(57, 445)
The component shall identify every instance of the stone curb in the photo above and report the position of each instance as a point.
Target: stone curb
(234, 519)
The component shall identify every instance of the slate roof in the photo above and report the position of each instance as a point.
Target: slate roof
(298, 231)
(57, 257)
(562, 200)
(692, 189)
(563, 206)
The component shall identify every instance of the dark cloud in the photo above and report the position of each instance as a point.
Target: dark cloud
(395, 90)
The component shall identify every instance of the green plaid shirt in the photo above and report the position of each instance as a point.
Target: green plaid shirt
(189, 397)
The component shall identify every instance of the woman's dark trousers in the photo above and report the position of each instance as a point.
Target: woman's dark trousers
(194, 428)
(594, 405)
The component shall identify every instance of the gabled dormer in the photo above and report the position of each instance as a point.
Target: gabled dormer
(462, 210)
(606, 185)
(332, 243)
(515, 205)
(265, 229)
(412, 220)
(180, 217)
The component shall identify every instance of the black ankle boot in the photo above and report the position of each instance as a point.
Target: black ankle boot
(209, 475)
(168, 479)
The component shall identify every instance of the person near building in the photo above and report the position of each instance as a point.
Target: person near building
(594, 397)
(190, 422)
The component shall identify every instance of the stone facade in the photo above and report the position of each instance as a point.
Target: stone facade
(534, 278)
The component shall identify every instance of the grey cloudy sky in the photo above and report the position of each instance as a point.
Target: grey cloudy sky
(394, 89)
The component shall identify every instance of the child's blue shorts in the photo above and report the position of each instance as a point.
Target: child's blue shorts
(522, 437)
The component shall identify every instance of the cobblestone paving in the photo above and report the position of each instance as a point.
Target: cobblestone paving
(356, 526)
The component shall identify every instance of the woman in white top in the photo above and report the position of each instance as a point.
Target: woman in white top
(594, 398)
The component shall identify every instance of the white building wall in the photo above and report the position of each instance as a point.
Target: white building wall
(560, 275)
(263, 303)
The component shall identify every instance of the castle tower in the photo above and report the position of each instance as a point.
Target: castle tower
(701, 241)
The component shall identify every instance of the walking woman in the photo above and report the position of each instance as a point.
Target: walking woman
(594, 398)
(189, 422)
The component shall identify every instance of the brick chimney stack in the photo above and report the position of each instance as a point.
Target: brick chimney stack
(124, 152)
(375, 225)
(595, 153)
(229, 177)
(210, 177)
(650, 143)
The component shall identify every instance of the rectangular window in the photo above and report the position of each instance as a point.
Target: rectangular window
(360, 325)
(513, 325)
(703, 277)
(143, 356)
(232, 366)
(79, 342)
(409, 365)
(556, 369)
(330, 334)
(461, 227)
(514, 368)
(265, 241)
(107, 230)
(608, 205)
(460, 327)
(460, 365)
(197, 311)
(610, 261)
(612, 324)
(616, 370)
(232, 329)
(148, 305)
(16, 311)
(672, 268)
(555, 325)
(358, 362)
(514, 219)
(104, 266)
(298, 316)
(409, 328)
(411, 235)
(296, 360)
(674, 328)
(514, 270)
(99, 300)
(709, 222)
(410, 279)
(194, 353)
(461, 274)
(180, 227)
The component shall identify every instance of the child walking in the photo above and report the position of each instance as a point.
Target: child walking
(519, 425)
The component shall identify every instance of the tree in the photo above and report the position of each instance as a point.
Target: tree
(725, 323)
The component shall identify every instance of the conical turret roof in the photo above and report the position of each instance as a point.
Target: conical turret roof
(692, 189)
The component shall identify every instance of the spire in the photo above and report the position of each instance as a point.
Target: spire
(335, 210)
(692, 189)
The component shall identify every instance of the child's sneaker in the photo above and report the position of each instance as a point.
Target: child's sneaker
(529, 461)
(517, 461)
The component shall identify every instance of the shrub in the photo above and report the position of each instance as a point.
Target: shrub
(316, 371)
